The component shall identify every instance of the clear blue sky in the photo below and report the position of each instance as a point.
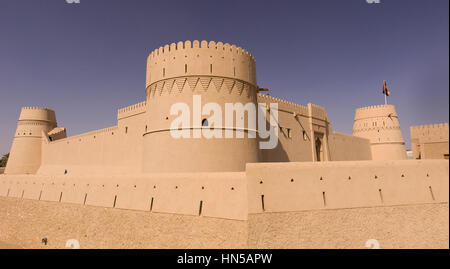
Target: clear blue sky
(87, 60)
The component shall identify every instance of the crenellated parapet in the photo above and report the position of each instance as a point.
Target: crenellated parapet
(283, 105)
(37, 114)
(376, 119)
(184, 59)
(131, 110)
(109, 131)
(318, 112)
(430, 133)
(375, 111)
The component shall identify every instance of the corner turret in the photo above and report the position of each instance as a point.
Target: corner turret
(25, 154)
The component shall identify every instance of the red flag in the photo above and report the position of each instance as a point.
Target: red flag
(385, 89)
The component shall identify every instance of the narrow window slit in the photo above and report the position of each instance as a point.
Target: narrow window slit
(40, 194)
(324, 199)
(85, 197)
(115, 200)
(200, 209)
(24, 192)
(262, 203)
(60, 197)
(381, 195)
(151, 204)
(431, 192)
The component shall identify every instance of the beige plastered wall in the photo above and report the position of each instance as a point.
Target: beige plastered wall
(430, 141)
(378, 195)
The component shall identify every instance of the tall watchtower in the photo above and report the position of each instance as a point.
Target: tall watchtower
(25, 154)
(381, 126)
(216, 72)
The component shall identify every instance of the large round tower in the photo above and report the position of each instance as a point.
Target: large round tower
(380, 125)
(25, 154)
(198, 72)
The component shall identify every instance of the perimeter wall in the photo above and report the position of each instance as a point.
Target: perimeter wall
(272, 201)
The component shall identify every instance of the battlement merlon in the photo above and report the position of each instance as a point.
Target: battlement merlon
(283, 104)
(318, 112)
(430, 126)
(37, 114)
(423, 131)
(375, 112)
(200, 58)
(131, 110)
(198, 45)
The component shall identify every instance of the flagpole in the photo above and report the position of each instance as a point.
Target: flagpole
(385, 99)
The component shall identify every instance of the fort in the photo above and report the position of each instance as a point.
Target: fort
(133, 185)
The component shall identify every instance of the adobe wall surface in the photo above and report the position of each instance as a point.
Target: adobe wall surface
(2, 170)
(113, 150)
(119, 149)
(264, 187)
(402, 204)
(284, 187)
(200, 58)
(398, 227)
(344, 147)
(25, 222)
(430, 141)
(411, 226)
(221, 195)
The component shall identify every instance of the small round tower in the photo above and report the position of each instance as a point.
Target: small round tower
(217, 73)
(381, 126)
(25, 154)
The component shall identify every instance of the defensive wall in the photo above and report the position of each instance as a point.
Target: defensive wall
(253, 199)
(270, 187)
(430, 141)
(112, 150)
(119, 149)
